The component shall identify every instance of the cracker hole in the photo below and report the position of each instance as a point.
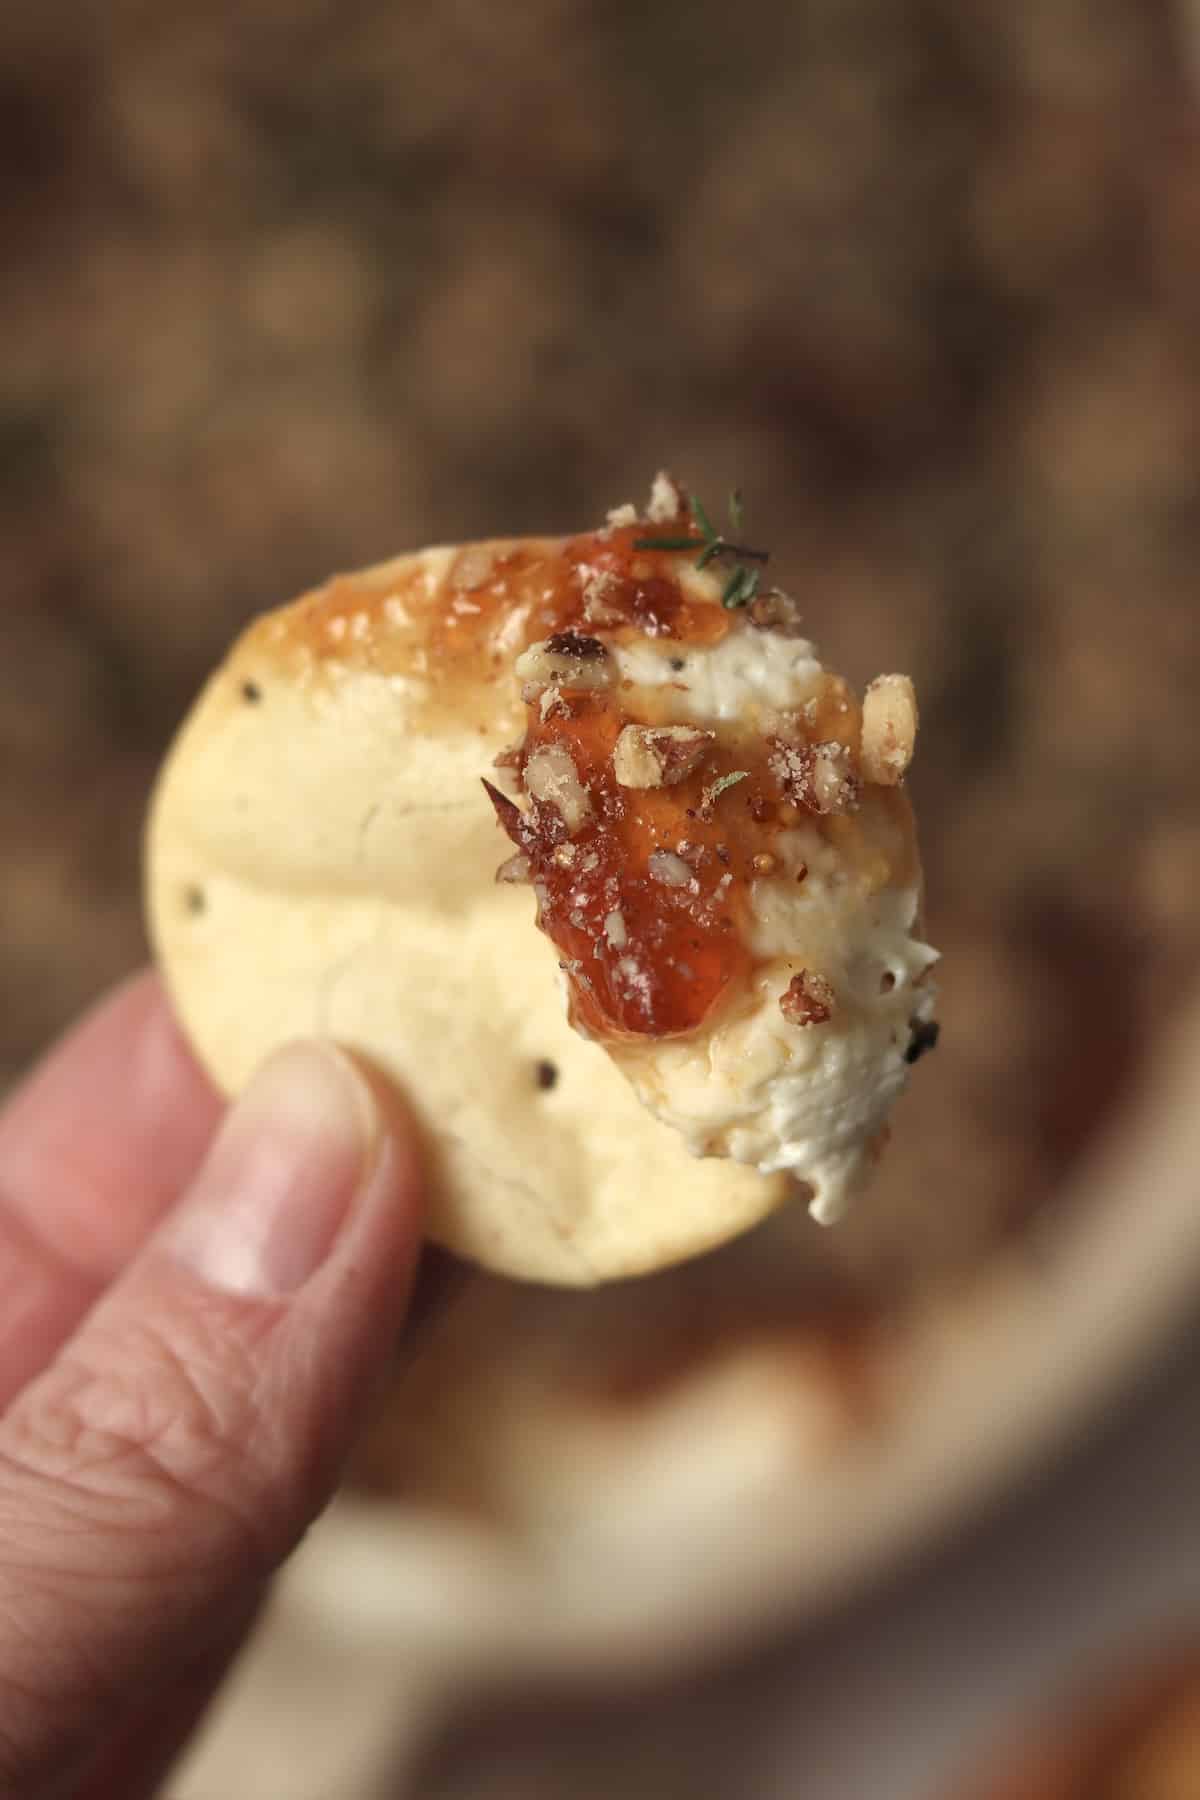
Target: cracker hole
(545, 1074)
(195, 900)
(251, 693)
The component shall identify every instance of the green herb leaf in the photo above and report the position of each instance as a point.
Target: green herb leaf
(740, 588)
(722, 782)
(702, 520)
(743, 583)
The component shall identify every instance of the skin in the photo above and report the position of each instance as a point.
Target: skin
(178, 1386)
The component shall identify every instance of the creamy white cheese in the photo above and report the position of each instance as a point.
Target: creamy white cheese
(716, 683)
(758, 1087)
(810, 1100)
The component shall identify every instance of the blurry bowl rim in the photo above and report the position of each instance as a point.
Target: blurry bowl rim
(1041, 1343)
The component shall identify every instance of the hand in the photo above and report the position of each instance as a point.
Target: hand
(189, 1325)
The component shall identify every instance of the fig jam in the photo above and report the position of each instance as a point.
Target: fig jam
(643, 900)
(644, 890)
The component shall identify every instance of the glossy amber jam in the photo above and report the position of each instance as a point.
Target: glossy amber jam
(645, 899)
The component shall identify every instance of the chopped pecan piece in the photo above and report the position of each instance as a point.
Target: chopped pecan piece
(599, 587)
(575, 643)
(552, 779)
(651, 756)
(568, 659)
(516, 870)
(807, 1000)
(552, 702)
(666, 501)
(473, 568)
(670, 869)
(615, 930)
(818, 777)
(776, 611)
(889, 729)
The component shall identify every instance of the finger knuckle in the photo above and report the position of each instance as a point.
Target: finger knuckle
(153, 1422)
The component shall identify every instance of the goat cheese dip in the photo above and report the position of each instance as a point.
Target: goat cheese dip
(721, 848)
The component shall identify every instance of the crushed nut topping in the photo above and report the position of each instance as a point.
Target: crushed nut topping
(516, 870)
(834, 784)
(652, 756)
(889, 729)
(620, 516)
(807, 1000)
(778, 612)
(615, 931)
(764, 863)
(670, 869)
(563, 661)
(819, 778)
(666, 500)
(598, 587)
(473, 568)
(551, 779)
(575, 643)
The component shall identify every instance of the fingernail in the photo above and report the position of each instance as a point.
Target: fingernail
(281, 1177)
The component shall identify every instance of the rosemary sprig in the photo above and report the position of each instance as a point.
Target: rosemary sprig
(702, 519)
(741, 587)
(743, 583)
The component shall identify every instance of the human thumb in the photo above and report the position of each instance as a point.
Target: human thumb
(166, 1462)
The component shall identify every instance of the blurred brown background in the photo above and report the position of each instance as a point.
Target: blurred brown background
(292, 286)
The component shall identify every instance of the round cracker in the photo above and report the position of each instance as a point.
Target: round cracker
(321, 858)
